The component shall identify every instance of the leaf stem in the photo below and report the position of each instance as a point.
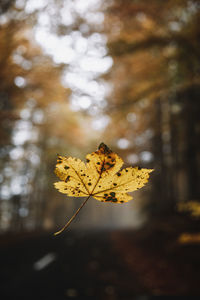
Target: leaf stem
(73, 217)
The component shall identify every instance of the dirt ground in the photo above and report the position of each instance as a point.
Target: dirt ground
(101, 264)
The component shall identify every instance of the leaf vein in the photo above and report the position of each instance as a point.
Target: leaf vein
(80, 179)
(112, 188)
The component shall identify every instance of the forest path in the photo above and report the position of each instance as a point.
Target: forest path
(113, 265)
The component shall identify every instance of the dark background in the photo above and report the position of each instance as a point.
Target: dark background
(74, 74)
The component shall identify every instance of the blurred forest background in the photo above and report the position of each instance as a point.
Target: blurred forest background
(77, 73)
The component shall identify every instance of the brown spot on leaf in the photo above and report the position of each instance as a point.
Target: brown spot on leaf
(67, 179)
(109, 164)
(109, 199)
(114, 200)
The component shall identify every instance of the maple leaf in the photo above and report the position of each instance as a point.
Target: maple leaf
(101, 178)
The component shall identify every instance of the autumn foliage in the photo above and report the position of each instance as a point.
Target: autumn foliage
(101, 177)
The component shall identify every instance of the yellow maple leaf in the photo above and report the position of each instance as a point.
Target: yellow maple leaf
(101, 178)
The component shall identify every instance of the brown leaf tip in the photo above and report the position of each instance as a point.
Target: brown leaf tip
(103, 148)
